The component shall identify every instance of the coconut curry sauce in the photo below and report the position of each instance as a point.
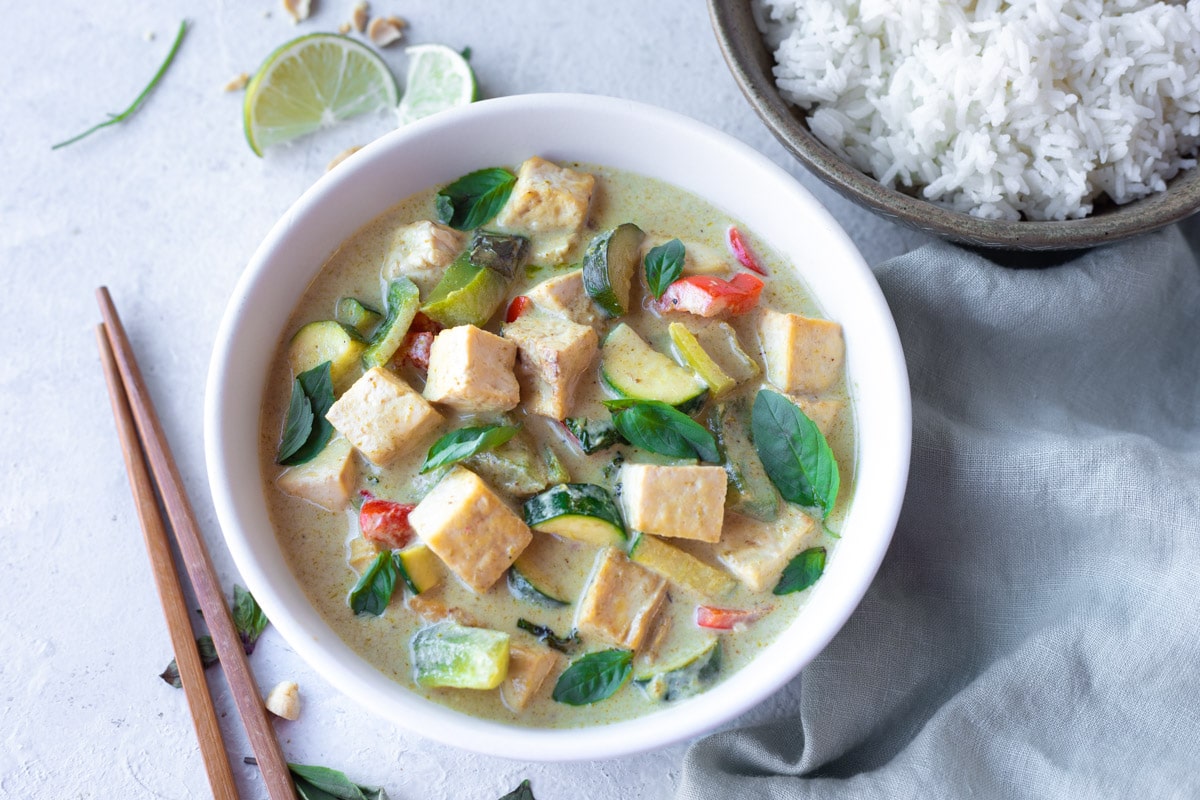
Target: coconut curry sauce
(644, 573)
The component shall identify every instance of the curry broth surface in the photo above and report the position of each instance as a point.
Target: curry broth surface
(316, 541)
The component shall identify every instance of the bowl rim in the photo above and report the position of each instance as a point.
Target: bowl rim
(237, 488)
(747, 57)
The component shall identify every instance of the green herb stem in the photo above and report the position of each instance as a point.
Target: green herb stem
(113, 119)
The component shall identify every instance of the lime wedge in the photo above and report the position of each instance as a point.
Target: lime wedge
(438, 79)
(311, 83)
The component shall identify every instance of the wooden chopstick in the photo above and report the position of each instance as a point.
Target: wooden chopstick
(196, 560)
(170, 593)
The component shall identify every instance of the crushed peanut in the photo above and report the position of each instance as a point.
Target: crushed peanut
(284, 700)
(359, 16)
(298, 9)
(344, 28)
(383, 31)
(236, 83)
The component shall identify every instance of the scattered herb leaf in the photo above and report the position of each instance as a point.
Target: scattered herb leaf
(475, 198)
(592, 435)
(664, 266)
(113, 119)
(593, 677)
(563, 644)
(322, 783)
(316, 385)
(660, 428)
(802, 571)
(208, 657)
(248, 618)
(794, 452)
(611, 469)
(373, 591)
(298, 426)
(464, 443)
(522, 792)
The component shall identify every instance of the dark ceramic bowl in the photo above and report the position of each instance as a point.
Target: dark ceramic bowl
(751, 64)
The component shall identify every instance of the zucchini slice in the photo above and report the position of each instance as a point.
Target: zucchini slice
(326, 340)
(527, 591)
(750, 491)
(420, 568)
(609, 264)
(402, 300)
(683, 678)
(700, 361)
(449, 654)
(679, 567)
(535, 575)
(352, 313)
(581, 511)
(634, 369)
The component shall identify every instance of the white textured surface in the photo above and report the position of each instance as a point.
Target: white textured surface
(165, 209)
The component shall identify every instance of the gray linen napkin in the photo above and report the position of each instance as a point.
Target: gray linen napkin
(1035, 628)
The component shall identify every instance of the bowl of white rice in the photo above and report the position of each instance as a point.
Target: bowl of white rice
(1025, 124)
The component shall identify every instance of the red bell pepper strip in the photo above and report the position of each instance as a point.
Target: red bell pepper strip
(519, 305)
(727, 619)
(415, 349)
(708, 296)
(741, 250)
(385, 523)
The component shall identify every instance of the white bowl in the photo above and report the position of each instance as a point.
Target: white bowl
(599, 130)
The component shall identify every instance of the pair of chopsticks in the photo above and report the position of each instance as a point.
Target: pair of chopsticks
(146, 454)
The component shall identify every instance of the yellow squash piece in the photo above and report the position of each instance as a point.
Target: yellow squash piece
(700, 361)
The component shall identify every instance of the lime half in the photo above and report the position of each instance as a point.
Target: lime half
(311, 83)
(438, 79)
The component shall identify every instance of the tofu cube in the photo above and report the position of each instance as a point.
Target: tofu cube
(565, 296)
(327, 480)
(470, 529)
(756, 552)
(422, 251)
(552, 355)
(803, 355)
(621, 602)
(684, 502)
(550, 204)
(382, 416)
(528, 668)
(471, 370)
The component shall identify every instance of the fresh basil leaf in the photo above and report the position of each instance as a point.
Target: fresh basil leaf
(563, 644)
(522, 792)
(464, 443)
(593, 435)
(794, 452)
(208, 657)
(475, 198)
(802, 571)
(317, 387)
(321, 783)
(660, 428)
(373, 591)
(298, 426)
(248, 618)
(593, 677)
(664, 265)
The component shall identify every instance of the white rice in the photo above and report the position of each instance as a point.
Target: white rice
(1028, 109)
